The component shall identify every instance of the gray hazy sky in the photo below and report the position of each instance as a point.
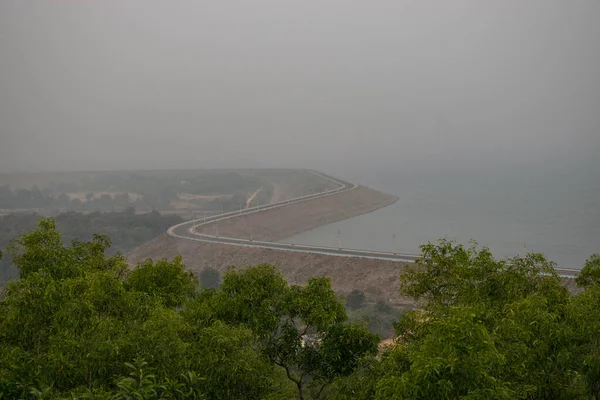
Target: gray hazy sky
(270, 83)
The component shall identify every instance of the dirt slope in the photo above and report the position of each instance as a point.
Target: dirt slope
(379, 279)
(279, 223)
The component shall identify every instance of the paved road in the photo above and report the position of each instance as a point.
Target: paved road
(186, 230)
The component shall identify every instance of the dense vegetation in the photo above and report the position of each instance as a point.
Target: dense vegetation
(488, 329)
(126, 230)
(142, 190)
(80, 324)
(46, 198)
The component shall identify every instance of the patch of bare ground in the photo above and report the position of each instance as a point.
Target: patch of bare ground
(282, 222)
(377, 278)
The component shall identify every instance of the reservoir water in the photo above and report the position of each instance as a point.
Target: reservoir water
(552, 209)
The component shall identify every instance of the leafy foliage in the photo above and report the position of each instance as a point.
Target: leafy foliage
(169, 281)
(296, 327)
(126, 230)
(590, 274)
(455, 359)
(79, 323)
(487, 329)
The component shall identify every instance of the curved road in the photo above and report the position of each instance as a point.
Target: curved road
(187, 230)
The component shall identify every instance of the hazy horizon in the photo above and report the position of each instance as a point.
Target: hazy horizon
(327, 85)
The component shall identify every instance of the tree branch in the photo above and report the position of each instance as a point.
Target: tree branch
(291, 377)
(318, 395)
(305, 330)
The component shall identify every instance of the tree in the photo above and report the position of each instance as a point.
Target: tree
(59, 317)
(449, 274)
(80, 324)
(584, 313)
(76, 318)
(126, 230)
(590, 274)
(355, 299)
(299, 328)
(171, 282)
(210, 278)
(537, 341)
(42, 251)
(455, 359)
(231, 366)
(141, 382)
(519, 303)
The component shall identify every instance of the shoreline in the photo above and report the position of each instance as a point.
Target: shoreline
(280, 223)
(377, 278)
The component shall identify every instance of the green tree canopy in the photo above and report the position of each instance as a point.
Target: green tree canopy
(301, 329)
(486, 329)
(77, 319)
(81, 324)
(169, 281)
(590, 274)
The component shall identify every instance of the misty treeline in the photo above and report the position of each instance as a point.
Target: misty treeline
(126, 229)
(81, 324)
(118, 191)
(48, 199)
(36, 198)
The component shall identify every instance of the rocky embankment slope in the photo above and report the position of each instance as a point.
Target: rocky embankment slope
(282, 222)
(377, 278)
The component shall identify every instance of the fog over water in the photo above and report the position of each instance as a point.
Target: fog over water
(550, 209)
(483, 116)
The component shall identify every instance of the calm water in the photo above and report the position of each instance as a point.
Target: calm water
(552, 209)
